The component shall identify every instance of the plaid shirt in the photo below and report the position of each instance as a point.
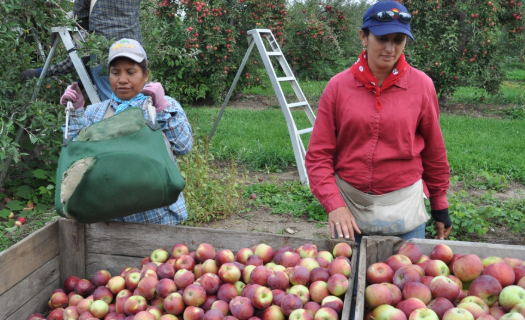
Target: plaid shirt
(174, 124)
(110, 18)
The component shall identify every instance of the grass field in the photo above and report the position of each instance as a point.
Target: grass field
(260, 139)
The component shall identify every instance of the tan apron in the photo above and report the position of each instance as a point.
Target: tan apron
(392, 213)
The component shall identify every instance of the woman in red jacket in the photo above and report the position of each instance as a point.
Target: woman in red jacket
(377, 150)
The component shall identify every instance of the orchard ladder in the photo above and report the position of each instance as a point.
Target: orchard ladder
(257, 37)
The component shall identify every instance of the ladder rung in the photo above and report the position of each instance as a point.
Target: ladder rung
(286, 79)
(274, 53)
(297, 104)
(307, 130)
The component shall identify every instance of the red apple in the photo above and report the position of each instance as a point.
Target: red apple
(410, 250)
(487, 288)
(101, 278)
(120, 300)
(457, 314)
(377, 294)
(311, 263)
(135, 304)
(417, 290)
(260, 276)
(397, 261)
(436, 268)
(84, 305)
(409, 305)
(312, 307)
(319, 291)
(519, 273)
(319, 274)
(338, 284)
(213, 315)
(194, 295)
(405, 275)
(502, 272)
(443, 287)
(56, 314)
(197, 270)
(397, 295)
(377, 312)
(340, 265)
(74, 299)
(442, 252)
(243, 254)
(193, 313)
(132, 280)
(204, 252)
(513, 262)
(230, 273)
(497, 312)
(241, 308)
(185, 262)
(299, 275)
(273, 313)
(478, 301)
(210, 266)
(455, 257)
(426, 280)
(277, 256)
(300, 314)
(174, 303)
(289, 303)
(456, 280)
(159, 255)
(83, 287)
(227, 292)
(178, 250)
(323, 263)
(310, 251)
(224, 256)
(144, 315)
(183, 278)
(222, 306)
(210, 299)
(440, 306)
(262, 298)
(103, 293)
(148, 287)
(71, 313)
(116, 284)
(325, 255)
(392, 314)
(165, 271)
(290, 259)
(334, 303)
(165, 287)
(59, 300)
(278, 295)
(473, 308)
(210, 282)
(490, 260)
(342, 249)
(69, 284)
(379, 272)
(468, 267)
(278, 280)
(99, 309)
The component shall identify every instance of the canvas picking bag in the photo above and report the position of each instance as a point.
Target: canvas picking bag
(117, 167)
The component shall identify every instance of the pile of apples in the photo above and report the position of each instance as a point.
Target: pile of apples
(256, 283)
(445, 286)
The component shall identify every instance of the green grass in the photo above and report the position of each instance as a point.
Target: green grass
(260, 139)
(511, 93)
(311, 89)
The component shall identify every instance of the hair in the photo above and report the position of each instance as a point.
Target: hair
(366, 31)
(143, 65)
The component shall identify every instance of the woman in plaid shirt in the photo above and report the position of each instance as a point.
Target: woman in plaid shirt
(128, 77)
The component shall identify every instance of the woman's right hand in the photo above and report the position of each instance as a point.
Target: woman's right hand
(74, 95)
(342, 221)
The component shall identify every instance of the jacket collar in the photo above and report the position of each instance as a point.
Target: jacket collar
(402, 82)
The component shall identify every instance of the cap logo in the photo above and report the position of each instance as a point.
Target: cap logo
(395, 10)
(122, 44)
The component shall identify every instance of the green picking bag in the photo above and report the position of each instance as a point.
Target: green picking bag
(117, 167)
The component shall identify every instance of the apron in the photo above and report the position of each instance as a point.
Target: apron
(389, 214)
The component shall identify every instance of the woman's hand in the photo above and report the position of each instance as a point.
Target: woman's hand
(156, 92)
(342, 221)
(441, 232)
(74, 95)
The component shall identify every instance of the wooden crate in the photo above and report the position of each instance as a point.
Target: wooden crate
(378, 249)
(34, 267)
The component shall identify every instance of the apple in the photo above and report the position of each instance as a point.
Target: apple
(423, 258)
(490, 260)
(502, 272)
(69, 284)
(273, 313)
(210, 299)
(135, 304)
(222, 306)
(473, 308)
(379, 272)
(301, 291)
(443, 287)
(511, 296)
(513, 262)
(227, 292)
(71, 313)
(338, 284)
(210, 282)
(178, 250)
(144, 315)
(519, 272)
(436, 268)
(419, 269)
(116, 284)
(183, 278)
(241, 308)
(213, 315)
(210, 266)
(278, 295)
(194, 295)
(333, 302)
(521, 283)
(512, 316)
(410, 250)
(290, 259)
(204, 252)
(519, 308)
(426, 280)
(409, 305)
(423, 313)
(468, 267)
(279, 280)
(174, 303)
(120, 300)
(262, 298)
(309, 251)
(148, 287)
(319, 291)
(132, 280)
(397, 295)
(99, 309)
(59, 300)
(456, 280)
(83, 287)
(299, 275)
(312, 307)
(159, 255)
(36, 316)
(325, 255)
(291, 302)
(277, 255)
(74, 299)
(487, 288)
(417, 290)
(101, 278)
(442, 252)
(377, 311)
(102, 293)
(165, 271)
(377, 294)
(340, 265)
(193, 313)
(148, 273)
(440, 306)
(224, 256)
(392, 314)
(260, 276)
(455, 257)
(165, 317)
(300, 314)
(311, 263)
(322, 262)
(405, 275)
(185, 262)
(230, 273)
(246, 273)
(486, 317)
(56, 314)
(342, 249)
(319, 274)
(86, 315)
(497, 312)
(397, 261)
(165, 287)
(243, 254)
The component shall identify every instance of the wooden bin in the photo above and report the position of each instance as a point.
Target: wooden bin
(378, 249)
(31, 269)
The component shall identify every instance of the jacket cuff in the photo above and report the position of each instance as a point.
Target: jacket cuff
(333, 202)
(442, 216)
(439, 203)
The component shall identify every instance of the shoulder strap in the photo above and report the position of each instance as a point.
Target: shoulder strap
(109, 111)
(92, 5)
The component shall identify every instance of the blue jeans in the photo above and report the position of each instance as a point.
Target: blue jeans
(101, 82)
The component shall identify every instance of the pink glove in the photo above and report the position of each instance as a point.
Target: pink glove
(74, 95)
(155, 90)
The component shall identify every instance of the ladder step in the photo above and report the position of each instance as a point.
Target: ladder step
(286, 79)
(274, 53)
(307, 130)
(297, 104)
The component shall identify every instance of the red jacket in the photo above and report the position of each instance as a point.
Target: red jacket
(378, 151)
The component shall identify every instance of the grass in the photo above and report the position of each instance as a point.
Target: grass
(474, 145)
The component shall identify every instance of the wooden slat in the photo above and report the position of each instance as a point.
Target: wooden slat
(481, 249)
(38, 304)
(26, 256)
(13, 299)
(72, 249)
(112, 263)
(347, 302)
(361, 278)
(139, 240)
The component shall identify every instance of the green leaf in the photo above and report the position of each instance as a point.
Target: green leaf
(40, 174)
(4, 213)
(40, 208)
(12, 229)
(24, 192)
(15, 205)
(26, 213)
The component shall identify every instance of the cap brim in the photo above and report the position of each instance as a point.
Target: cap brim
(134, 57)
(381, 30)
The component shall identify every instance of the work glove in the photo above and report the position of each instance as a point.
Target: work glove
(74, 95)
(156, 92)
(442, 223)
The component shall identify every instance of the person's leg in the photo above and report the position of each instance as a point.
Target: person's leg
(417, 233)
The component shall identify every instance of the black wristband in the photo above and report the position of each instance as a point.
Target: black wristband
(442, 216)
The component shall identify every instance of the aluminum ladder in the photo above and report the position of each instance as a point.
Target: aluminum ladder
(257, 37)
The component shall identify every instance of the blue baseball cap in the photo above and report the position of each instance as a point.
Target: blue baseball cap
(381, 28)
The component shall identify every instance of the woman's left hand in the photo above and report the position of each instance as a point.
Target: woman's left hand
(441, 232)
(156, 92)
